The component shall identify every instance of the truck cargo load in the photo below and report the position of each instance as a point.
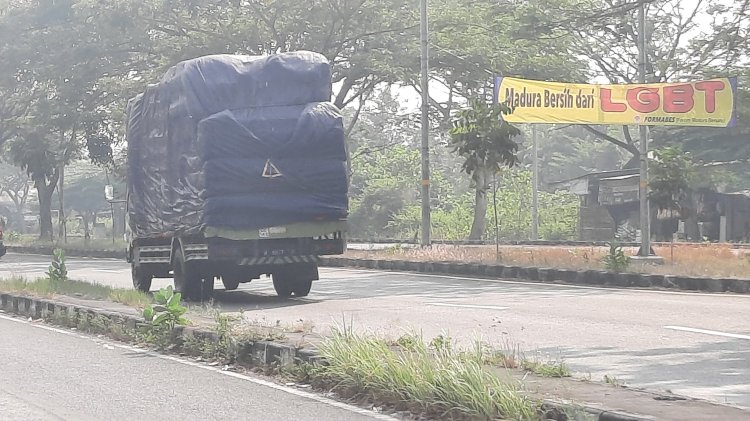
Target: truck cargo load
(236, 142)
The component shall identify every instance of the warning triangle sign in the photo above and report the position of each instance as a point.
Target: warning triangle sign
(270, 170)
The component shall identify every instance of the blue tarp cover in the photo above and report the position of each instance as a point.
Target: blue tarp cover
(236, 142)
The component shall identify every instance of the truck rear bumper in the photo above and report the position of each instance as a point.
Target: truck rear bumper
(278, 260)
(273, 251)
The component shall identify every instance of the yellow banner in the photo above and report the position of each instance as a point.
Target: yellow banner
(709, 103)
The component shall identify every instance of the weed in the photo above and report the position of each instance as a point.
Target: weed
(441, 343)
(614, 381)
(547, 369)
(409, 342)
(487, 355)
(57, 271)
(168, 311)
(616, 260)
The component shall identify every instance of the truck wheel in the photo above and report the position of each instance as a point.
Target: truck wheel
(189, 281)
(287, 282)
(141, 279)
(302, 288)
(230, 284)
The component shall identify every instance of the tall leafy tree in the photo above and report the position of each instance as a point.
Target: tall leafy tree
(484, 139)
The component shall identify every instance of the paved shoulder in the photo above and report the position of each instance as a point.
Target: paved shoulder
(49, 375)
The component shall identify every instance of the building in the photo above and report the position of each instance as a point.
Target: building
(610, 209)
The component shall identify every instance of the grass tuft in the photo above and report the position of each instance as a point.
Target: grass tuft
(46, 288)
(431, 379)
(547, 369)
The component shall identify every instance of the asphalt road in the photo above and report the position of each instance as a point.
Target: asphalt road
(49, 374)
(688, 343)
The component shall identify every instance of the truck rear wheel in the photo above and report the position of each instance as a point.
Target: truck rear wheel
(230, 283)
(189, 281)
(141, 279)
(295, 281)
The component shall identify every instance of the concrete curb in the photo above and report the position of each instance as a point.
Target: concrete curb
(549, 275)
(556, 407)
(554, 243)
(254, 353)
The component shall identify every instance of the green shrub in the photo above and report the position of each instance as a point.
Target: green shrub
(616, 260)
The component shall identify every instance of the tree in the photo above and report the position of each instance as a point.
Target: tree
(15, 184)
(484, 139)
(86, 197)
(60, 73)
(672, 175)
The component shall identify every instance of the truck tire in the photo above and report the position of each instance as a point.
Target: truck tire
(141, 278)
(189, 281)
(293, 281)
(230, 283)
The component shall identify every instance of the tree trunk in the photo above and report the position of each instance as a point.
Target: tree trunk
(480, 205)
(86, 220)
(63, 234)
(45, 209)
(44, 191)
(20, 222)
(118, 220)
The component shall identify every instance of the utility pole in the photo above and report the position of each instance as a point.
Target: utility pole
(424, 38)
(535, 186)
(643, 188)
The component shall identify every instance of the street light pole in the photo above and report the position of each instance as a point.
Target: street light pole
(424, 38)
(643, 188)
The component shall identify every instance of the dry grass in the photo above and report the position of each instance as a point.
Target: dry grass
(710, 260)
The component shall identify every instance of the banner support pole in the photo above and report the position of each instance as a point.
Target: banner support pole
(645, 213)
(535, 185)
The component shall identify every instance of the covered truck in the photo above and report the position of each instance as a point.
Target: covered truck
(236, 168)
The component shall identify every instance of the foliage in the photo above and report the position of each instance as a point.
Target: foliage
(672, 176)
(483, 137)
(12, 236)
(452, 219)
(57, 271)
(616, 260)
(167, 311)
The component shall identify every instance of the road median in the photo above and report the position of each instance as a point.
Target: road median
(547, 275)
(481, 383)
(492, 271)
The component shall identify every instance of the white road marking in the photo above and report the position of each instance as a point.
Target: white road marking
(467, 306)
(708, 332)
(217, 370)
(537, 284)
